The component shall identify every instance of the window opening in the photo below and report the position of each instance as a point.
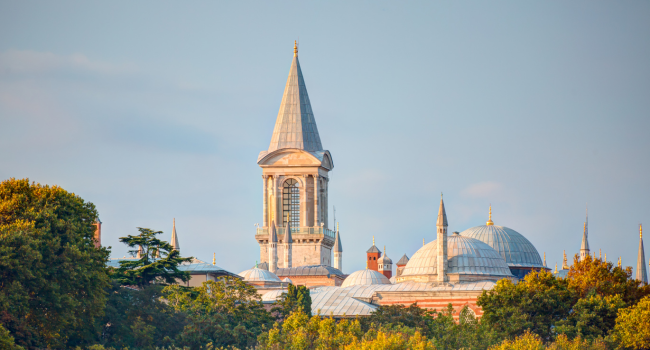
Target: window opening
(291, 203)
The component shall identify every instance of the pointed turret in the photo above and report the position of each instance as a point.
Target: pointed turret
(441, 242)
(295, 126)
(584, 247)
(273, 249)
(385, 265)
(288, 244)
(372, 255)
(641, 273)
(175, 244)
(401, 263)
(338, 250)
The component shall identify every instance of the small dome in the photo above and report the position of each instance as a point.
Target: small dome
(384, 260)
(273, 295)
(287, 280)
(259, 275)
(365, 277)
(465, 256)
(513, 247)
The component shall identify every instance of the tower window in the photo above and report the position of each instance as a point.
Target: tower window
(291, 203)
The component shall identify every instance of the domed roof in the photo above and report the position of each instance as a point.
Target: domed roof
(513, 247)
(287, 280)
(259, 275)
(365, 277)
(465, 255)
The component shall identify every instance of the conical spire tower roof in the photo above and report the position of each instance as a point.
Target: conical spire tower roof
(175, 244)
(295, 126)
(338, 247)
(442, 214)
(274, 234)
(585, 235)
(287, 235)
(641, 273)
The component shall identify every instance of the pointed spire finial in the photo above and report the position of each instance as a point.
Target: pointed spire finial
(423, 242)
(565, 265)
(214, 258)
(489, 222)
(545, 260)
(640, 231)
(385, 251)
(337, 226)
(619, 262)
(295, 48)
(605, 257)
(600, 254)
(373, 240)
(366, 264)
(556, 268)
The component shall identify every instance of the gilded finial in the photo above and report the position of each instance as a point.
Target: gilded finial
(489, 222)
(556, 268)
(295, 48)
(373, 240)
(423, 242)
(384, 250)
(214, 259)
(640, 231)
(337, 226)
(605, 256)
(440, 195)
(565, 265)
(619, 262)
(600, 254)
(545, 260)
(366, 264)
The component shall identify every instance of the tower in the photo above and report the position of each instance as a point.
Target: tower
(372, 255)
(441, 227)
(273, 249)
(641, 273)
(401, 264)
(385, 265)
(338, 250)
(175, 244)
(288, 244)
(584, 248)
(295, 178)
(98, 233)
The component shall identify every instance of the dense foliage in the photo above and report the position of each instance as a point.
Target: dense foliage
(295, 298)
(53, 279)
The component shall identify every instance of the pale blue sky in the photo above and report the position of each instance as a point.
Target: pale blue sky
(155, 110)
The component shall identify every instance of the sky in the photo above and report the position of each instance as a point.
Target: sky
(154, 110)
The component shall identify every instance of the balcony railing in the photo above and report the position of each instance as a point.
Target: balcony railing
(299, 231)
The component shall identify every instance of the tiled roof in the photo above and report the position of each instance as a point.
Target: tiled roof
(373, 249)
(309, 270)
(403, 260)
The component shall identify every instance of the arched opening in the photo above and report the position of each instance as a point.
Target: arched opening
(291, 203)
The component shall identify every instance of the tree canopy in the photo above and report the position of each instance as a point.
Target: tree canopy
(53, 279)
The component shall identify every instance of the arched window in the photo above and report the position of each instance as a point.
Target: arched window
(291, 202)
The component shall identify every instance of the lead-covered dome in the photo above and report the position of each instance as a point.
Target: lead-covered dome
(513, 247)
(259, 275)
(365, 277)
(465, 256)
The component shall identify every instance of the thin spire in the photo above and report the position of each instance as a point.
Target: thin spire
(600, 254)
(274, 234)
(288, 238)
(338, 247)
(442, 214)
(373, 240)
(214, 258)
(295, 126)
(295, 48)
(565, 265)
(556, 268)
(423, 242)
(545, 260)
(490, 223)
(641, 273)
(175, 244)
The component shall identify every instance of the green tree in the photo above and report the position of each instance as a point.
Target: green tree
(536, 303)
(139, 318)
(7, 342)
(226, 312)
(596, 276)
(158, 261)
(632, 330)
(592, 317)
(53, 279)
(295, 298)
(412, 316)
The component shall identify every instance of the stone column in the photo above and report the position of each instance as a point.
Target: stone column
(303, 201)
(326, 201)
(316, 199)
(265, 200)
(277, 199)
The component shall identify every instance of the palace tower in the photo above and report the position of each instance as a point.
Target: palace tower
(295, 182)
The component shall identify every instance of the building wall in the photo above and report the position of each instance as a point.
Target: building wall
(432, 300)
(372, 261)
(306, 250)
(315, 281)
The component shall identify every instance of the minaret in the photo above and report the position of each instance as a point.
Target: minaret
(441, 226)
(641, 273)
(565, 265)
(385, 265)
(584, 248)
(288, 244)
(273, 249)
(175, 244)
(338, 250)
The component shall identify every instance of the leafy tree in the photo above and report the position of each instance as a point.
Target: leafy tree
(601, 277)
(7, 341)
(53, 279)
(226, 312)
(139, 318)
(632, 330)
(534, 304)
(591, 317)
(412, 316)
(158, 261)
(295, 298)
